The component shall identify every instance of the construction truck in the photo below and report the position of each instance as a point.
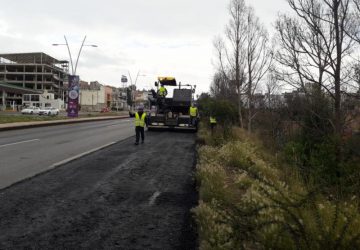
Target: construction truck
(171, 112)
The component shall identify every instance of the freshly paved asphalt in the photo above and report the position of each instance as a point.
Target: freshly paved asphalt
(121, 197)
(26, 152)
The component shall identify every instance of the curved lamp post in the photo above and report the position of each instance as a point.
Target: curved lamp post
(73, 95)
(73, 70)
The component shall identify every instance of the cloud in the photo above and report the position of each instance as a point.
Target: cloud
(158, 37)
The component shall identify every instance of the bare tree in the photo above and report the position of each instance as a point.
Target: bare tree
(244, 57)
(230, 54)
(222, 89)
(315, 47)
(258, 58)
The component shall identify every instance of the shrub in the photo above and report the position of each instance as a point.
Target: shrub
(248, 202)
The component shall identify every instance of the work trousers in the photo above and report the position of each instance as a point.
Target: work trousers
(139, 131)
(193, 120)
(212, 126)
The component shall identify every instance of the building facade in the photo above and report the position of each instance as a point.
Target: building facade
(31, 72)
(119, 99)
(92, 96)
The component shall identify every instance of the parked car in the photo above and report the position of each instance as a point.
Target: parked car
(48, 111)
(30, 110)
(104, 110)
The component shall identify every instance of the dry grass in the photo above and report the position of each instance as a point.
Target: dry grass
(249, 200)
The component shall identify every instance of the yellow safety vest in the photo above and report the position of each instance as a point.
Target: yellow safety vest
(140, 122)
(212, 120)
(162, 91)
(193, 111)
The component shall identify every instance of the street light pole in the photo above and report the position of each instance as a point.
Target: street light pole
(73, 70)
(133, 91)
(71, 61)
(77, 59)
(73, 101)
(138, 74)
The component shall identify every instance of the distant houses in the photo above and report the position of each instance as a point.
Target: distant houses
(37, 79)
(95, 96)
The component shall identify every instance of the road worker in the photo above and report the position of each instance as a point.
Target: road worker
(212, 123)
(162, 92)
(140, 122)
(193, 111)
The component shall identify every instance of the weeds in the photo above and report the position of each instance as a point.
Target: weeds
(248, 201)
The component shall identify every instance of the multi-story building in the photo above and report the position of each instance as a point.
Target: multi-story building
(119, 99)
(142, 97)
(31, 73)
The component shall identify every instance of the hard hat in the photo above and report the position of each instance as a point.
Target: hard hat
(141, 107)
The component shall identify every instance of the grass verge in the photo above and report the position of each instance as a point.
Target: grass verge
(250, 200)
(28, 118)
(7, 118)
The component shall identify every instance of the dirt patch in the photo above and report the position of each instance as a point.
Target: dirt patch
(122, 197)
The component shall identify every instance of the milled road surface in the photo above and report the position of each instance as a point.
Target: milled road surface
(121, 197)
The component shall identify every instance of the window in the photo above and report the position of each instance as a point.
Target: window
(34, 98)
(26, 98)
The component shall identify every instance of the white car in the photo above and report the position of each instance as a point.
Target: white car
(30, 110)
(48, 111)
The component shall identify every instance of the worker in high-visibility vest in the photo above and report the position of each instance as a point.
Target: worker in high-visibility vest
(193, 111)
(162, 92)
(212, 123)
(140, 122)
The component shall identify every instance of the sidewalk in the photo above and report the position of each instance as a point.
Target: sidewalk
(21, 125)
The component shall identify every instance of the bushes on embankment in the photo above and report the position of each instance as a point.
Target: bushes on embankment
(251, 200)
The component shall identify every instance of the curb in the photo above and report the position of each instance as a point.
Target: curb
(13, 126)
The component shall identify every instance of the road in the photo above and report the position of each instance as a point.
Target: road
(26, 152)
(121, 197)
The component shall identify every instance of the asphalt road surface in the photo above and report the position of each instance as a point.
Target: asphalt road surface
(26, 152)
(121, 197)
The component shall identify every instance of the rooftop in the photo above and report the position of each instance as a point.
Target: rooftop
(32, 58)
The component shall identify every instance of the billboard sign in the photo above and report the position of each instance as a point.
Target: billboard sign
(124, 79)
(73, 96)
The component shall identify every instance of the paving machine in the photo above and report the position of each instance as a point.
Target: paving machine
(171, 113)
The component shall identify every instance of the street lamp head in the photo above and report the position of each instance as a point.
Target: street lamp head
(55, 44)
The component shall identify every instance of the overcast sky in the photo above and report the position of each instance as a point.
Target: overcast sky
(153, 37)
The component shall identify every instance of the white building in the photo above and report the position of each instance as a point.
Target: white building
(43, 100)
(92, 99)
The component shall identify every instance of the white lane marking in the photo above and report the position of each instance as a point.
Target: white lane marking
(15, 143)
(153, 198)
(79, 155)
(114, 125)
(119, 124)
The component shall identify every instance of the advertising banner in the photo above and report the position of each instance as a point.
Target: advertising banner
(73, 96)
